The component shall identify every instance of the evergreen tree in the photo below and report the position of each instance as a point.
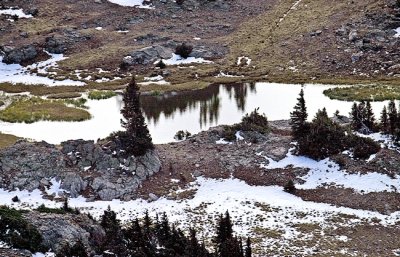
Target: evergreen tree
(248, 251)
(298, 118)
(384, 120)
(136, 138)
(112, 228)
(355, 116)
(325, 138)
(369, 116)
(392, 114)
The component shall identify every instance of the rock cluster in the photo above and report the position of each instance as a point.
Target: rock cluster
(59, 229)
(19, 55)
(81, 167)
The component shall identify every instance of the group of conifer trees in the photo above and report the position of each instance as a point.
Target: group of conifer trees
(363, 119)
(160, 238)
(323, 137)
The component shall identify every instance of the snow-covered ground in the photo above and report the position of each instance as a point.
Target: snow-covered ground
(15, 73)
(397, 32)
(265, 207)
(17, 12)
(131, 3)
(328, 173)
(177, 60)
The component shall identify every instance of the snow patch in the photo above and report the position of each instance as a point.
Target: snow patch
(397, 32)
(328, 173)
(15, 12)
(131, 3)
(244, 59)
(15, 73)
(177, 60)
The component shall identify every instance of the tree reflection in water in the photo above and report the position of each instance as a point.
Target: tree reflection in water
(208, 100)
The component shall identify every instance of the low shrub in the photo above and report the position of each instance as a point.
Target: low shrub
(181, 135)
(99, 95)
(184, 50)
(254, 121)
(289, 187)
(363, 147)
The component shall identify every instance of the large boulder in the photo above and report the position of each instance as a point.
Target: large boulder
(60, 229)
(147, 55)
(19, 55)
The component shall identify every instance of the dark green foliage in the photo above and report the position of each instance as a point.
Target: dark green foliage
(325, 138)
(254, 121)
(393, 117)
(364, 147)
(289, 187)
(248, 250)
(15, 199)
(136, 139)
(362, 117)
(112, 228)
(384, 126)
(298, 118)
(77, 250)
(183, 50)
(181, 135)
(226, 244)
(149, 238)
(17, 232)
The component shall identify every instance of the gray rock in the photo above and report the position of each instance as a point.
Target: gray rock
(19, 55)
(353, 35)
(153, 197)
(55, 45)
(356, 57)
(58, 229)
(147, 55)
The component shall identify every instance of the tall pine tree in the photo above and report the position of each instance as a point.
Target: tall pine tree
(298, 118)
(384, 120)
(136, 138)
(392, 114)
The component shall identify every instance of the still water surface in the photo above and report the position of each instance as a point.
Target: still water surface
(193, 111)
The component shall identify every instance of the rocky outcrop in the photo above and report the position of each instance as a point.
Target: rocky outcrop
(147, 55)
(19, 55)
(55, 45)
(60, 229)
(80, 167)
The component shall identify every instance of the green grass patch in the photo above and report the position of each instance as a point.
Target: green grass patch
(7, 140)
(364, 93)
(30, 110)
(98, 95)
